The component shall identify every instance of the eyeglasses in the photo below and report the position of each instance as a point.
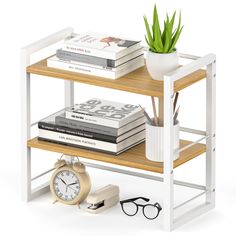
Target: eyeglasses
(150, 211)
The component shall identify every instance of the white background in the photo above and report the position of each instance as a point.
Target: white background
(209, 26)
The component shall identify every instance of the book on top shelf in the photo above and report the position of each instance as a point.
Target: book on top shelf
(101, 45)
(103, 62)
(104, 112)
(85, 68)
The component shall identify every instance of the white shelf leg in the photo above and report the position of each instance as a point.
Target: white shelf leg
(27, 192)
(210, 130)
(25, 120)
(69, 93)
(168, 210)
(69, 101)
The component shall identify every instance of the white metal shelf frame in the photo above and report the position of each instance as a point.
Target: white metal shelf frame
(170, 222)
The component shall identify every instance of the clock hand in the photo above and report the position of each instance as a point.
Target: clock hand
(63, 181)
(69, 185)
(73, 183)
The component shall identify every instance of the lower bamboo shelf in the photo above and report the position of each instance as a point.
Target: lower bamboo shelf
(134, 157)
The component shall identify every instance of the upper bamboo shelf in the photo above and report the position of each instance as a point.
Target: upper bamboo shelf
(137, 81)
(134, 157)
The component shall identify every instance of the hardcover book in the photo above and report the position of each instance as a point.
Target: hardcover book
(58, 119)
(104, 112)
(92, 144)
(87, 134)
(61, 120)
(85, 68)
(103, 62)
(99, 45)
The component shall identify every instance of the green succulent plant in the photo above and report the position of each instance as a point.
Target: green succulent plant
(162, 41)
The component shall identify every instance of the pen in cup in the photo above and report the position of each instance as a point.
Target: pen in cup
(176, 115)
(147, 116)
(175, 101)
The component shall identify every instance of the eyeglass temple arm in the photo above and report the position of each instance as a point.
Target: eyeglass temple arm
(134, 199)
(158, 205)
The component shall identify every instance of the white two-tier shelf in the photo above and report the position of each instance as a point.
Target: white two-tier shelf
(138, 82)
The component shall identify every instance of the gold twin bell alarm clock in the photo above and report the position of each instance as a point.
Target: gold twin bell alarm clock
(70, 183)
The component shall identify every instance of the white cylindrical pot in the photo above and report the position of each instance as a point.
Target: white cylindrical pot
(154, 146)
(159, 64)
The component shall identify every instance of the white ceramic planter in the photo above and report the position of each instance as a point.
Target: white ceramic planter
(154, 145)
(158, 64)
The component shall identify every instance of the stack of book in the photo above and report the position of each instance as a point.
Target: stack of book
(98, 55)
(96, 124)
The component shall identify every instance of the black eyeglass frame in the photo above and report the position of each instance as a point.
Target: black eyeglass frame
(157, 205)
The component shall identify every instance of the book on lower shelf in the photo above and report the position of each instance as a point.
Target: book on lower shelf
(92, 144)
(61, 120)
(59, 128)
(98, 55)
(87, 134)
(104, 112)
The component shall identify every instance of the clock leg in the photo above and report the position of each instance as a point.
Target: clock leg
(55, 202)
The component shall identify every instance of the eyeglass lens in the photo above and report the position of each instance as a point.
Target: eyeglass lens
(130, 208)
(150, 211)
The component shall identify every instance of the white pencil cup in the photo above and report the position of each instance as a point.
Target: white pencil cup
(155, 142)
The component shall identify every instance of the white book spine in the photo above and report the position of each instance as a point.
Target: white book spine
(87, 66)
(76, 140)
(89, 51)
(63, 65)
(92, 119)
(91, 143)
(80, 116)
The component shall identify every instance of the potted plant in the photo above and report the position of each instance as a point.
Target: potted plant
(162, 56)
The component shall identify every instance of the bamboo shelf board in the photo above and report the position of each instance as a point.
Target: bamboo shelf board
(134, 157)
(137, 81)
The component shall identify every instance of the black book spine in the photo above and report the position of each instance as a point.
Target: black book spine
(76, 132)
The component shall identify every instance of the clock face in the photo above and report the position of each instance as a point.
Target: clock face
(66, 185)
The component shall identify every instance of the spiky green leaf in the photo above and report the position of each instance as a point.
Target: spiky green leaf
(149, 35)
(150, 46)
(167, 43)
(168, 36)
(154, 20)
(172, 21)
(157, 31)
(175, 39)
(163, 36)
(176, 35)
